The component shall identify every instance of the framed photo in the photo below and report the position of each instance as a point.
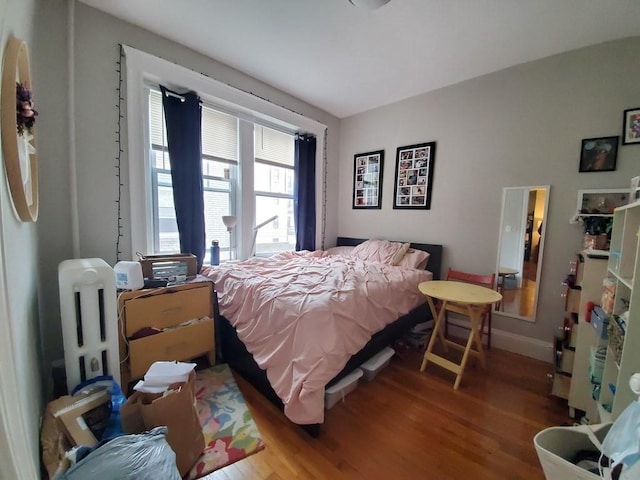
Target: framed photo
(634, 193)
(367, 179)
(414, 176)
(631, 126)
(598, 154)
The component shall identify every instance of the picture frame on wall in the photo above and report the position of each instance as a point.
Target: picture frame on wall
(414, 176)
(598, 154)
(367, 179)
(631, 126)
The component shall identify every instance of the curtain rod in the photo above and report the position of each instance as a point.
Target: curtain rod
(171, 94)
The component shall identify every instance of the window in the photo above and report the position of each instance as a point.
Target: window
(271, 157)
(273, 172)
(245, 110)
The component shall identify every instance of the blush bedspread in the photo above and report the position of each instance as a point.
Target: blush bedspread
(302, 315)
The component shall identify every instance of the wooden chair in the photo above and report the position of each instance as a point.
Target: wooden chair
(482, 280)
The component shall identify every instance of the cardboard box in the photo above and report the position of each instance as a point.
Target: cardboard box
(169, 265)
(53, 439)
(175, 409)
(78, 414)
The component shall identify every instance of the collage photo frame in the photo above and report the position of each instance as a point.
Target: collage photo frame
(414, 176)
(367, 179)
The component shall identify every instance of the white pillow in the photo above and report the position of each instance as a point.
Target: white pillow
(344, 250)
(382, 251)
(414, 259)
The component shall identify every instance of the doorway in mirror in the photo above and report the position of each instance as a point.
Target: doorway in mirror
(519, 301)
(520, 249)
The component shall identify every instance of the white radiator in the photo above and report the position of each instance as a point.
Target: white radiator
(88, 307)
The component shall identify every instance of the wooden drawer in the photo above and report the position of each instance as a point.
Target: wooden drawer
(179, 344)
(561, 385)
(571, 299)
(564, 357)
(171, 307)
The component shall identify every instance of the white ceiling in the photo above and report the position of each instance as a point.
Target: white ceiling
(347, 60)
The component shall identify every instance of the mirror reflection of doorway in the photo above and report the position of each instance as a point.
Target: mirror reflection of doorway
(520, 251)
(519, 300)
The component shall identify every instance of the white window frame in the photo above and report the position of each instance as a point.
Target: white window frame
(143, 67)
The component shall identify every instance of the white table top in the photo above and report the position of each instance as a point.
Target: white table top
(507, 271)
(459, 292)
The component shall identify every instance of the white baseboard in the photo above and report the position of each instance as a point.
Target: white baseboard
(511, 342)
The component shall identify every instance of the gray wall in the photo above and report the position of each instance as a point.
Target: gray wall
(20, 339)
(96, 51)
(520, 126)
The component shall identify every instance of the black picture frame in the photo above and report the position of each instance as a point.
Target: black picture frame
(631, 126)
(598, 154)
(367, 179)
(414, 176)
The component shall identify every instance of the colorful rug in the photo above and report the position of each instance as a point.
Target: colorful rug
(230, 433)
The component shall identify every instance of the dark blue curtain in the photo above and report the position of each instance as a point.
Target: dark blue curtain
(304, 192)
(183, 118)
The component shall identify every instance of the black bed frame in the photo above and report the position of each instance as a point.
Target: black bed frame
(231, 350)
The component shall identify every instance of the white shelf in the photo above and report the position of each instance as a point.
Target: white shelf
(627, 281)
(605, 417)
(623, 266)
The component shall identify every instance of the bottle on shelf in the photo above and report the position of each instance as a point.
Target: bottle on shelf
(215, 252)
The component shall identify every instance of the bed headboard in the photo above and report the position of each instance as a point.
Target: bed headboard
(435, 252)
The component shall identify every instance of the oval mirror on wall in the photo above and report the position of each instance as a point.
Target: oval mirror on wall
(520, 249)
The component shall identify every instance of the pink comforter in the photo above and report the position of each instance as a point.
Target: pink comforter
(302, 315)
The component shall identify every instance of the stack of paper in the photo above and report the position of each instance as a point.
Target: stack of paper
(162, 374)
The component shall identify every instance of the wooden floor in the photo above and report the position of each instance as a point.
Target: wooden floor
(411, 425)
(519, 301)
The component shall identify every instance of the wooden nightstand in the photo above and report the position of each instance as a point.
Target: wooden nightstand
(168, 309)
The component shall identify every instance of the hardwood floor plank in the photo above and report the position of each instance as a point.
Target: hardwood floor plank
(413, 425)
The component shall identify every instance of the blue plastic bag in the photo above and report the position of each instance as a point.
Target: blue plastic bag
(114, 425)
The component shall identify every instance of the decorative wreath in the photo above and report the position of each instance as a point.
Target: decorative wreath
(25, 113)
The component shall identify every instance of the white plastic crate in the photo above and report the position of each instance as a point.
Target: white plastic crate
(556, 446)
(337, 392)
(375, 364)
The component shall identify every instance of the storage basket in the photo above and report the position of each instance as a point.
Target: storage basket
(616, 339)
(556, 446)
(597, 358)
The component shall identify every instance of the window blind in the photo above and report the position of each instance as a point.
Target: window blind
(273, 146)
(219, 130)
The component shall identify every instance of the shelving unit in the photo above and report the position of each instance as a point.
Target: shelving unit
(589, 270)
(622, 269)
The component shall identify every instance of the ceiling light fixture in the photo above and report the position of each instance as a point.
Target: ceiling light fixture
(368, 4)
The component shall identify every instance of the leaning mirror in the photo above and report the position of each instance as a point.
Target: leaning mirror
(520, 248)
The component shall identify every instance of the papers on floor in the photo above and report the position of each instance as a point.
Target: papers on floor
(162, 374)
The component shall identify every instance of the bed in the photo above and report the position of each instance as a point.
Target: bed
(302, 386)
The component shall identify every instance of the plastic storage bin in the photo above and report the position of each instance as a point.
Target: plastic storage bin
(371, 367)
(556, 446)
(600, 321)
(341, 389)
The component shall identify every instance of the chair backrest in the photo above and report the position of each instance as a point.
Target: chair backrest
(482, 280)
